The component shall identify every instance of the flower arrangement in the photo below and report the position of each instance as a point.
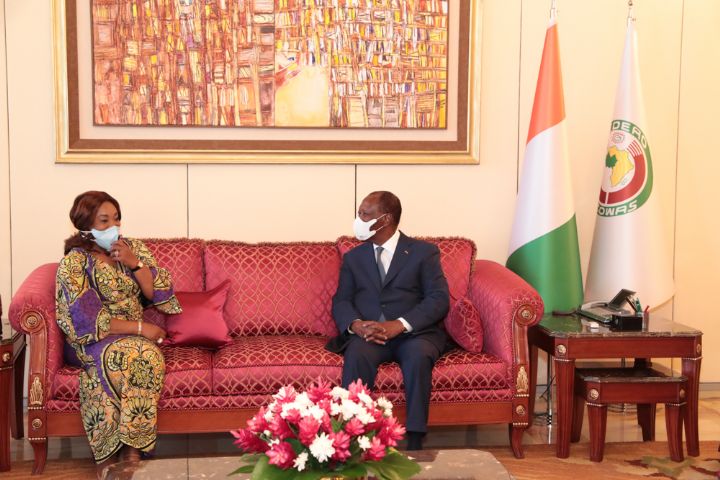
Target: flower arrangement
(322, 433)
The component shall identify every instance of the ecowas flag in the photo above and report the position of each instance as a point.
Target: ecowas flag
(629, 248)
(544, 243)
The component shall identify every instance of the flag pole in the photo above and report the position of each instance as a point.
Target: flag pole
(553, 10)
(630, 17)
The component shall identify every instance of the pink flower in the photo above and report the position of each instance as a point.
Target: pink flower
(308, 428)
(390, 432)
(341, 443)
(293, 416)
(376, 452)
(258, 424)
(279, 428)
(320, 391)
(356, 388)
(354, 427)
(282, 455)
(248, 441)
(286, 394)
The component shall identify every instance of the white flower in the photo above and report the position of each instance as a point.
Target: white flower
(266, 432)
(268, 413)
(300, 461)
(349, 409)
(339, 393)
(321, 448)
(316, 412)
(303, 401)
(274, 441)
(386, 405)
(365, 398)
(364, 416)
(335, 409)
(363, 442)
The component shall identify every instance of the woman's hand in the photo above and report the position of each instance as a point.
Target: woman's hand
(153, 332)
(120, 252)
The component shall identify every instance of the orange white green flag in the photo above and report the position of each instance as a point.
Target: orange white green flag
(544, 242)
(629, 248)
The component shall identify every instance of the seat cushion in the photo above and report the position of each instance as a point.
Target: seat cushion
(187, 373)
(458, 376)
(276, 289)
(261, 365)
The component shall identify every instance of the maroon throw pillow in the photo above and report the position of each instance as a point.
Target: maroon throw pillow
(201, 324)
(465, 326)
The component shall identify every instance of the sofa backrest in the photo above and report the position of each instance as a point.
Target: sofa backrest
(275, 288)
(457, 257)
(183, 258)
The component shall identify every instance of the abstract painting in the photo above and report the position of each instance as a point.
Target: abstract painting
(380, 64)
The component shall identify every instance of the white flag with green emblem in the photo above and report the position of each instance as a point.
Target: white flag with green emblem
(629, 248)
(544, 243)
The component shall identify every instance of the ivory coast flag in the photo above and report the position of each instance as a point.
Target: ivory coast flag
(629, 248)
(544, 243)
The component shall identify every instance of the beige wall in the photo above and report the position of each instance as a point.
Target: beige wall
(679, 53)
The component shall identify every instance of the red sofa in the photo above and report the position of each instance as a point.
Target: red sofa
(279, 314)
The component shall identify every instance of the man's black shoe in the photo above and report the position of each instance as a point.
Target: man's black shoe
(414, 440)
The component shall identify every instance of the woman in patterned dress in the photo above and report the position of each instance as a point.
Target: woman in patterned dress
(102, 284)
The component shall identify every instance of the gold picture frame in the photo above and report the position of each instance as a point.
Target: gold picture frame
(80, 140)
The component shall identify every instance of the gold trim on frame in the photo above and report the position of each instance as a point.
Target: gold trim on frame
(69, 152)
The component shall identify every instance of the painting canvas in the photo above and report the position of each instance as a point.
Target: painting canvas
(271, 63)
(267, 81)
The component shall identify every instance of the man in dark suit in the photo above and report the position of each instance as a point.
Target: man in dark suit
(391, 298)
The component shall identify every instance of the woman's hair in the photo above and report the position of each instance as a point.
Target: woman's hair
(82, 216)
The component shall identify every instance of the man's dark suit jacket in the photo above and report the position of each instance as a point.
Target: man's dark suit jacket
(415, 288)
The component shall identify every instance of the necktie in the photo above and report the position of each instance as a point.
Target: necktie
(381, 271)
(381, 267)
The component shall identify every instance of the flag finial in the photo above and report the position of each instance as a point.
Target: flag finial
(630, 17)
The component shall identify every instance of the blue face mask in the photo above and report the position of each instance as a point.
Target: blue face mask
(105, 238)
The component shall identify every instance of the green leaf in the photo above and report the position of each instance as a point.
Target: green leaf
(264, 471)
(394, 466)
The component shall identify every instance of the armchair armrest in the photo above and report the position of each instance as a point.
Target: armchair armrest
(508, 306)
(32, 311)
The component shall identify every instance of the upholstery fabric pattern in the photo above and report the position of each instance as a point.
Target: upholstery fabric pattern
(66, 385)
(260, 365)
(276, 289)
(37, 294)
(465, 374)
(183, 258)
(188, 372)
(489, 293)
(464, 325)
(456, 256)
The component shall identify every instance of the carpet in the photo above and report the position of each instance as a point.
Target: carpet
(622, 461)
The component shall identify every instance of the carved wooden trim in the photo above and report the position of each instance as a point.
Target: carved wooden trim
(36, 395)
(522, 380)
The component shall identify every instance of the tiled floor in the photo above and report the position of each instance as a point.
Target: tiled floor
(621, 427)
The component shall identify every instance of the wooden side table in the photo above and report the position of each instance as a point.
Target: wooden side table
(12, 370)
(569, 338)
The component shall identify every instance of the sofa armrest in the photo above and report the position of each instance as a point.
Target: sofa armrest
(508, 306)
(32, 311)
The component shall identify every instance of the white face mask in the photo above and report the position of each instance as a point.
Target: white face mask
(105, 238)
(362, 229)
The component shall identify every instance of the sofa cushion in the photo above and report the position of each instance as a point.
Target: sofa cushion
(183, 258)
(202, 322)
(276, 289)
(457, 376)
(464, 325)
(457, 256)
(261, 365)
(187, 373)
